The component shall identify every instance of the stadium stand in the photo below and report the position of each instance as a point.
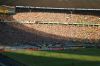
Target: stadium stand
(49, 36)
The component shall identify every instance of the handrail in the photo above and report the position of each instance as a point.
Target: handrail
(32, 7)
(52, 23)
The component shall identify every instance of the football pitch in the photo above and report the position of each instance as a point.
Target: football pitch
(70, 57)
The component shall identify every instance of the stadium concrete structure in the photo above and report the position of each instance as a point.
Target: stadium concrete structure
(82, 29)
(64, 4)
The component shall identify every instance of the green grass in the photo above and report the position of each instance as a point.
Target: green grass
(76, 57)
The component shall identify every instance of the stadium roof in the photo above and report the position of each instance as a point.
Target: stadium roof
(82, 4)
(87, 4)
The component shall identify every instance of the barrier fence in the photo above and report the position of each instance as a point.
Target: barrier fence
(52, 23)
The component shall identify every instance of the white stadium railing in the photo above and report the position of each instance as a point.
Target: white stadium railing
(58, 8)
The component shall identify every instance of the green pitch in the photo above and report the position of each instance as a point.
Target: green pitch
(75, 57)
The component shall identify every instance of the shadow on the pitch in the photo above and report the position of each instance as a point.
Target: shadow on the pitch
(35, 60)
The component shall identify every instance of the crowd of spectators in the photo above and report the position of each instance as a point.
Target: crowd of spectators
(69, 17)
(50, 36)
